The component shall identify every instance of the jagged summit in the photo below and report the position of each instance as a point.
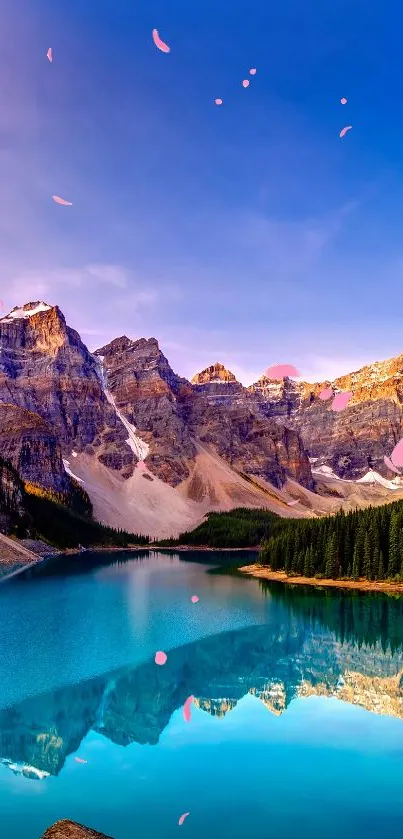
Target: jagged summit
(124, 343)
(217, 373)
(26, 311)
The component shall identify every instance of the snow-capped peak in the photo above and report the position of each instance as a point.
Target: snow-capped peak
(26, 311)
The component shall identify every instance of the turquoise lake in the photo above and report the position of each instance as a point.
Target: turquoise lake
(296, 726)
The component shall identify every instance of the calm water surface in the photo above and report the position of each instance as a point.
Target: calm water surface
(296, 728)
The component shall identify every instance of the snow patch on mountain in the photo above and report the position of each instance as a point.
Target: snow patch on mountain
(373, 477)
(66, 465)
(137, 445)
(370, 478)
(327, 471)
(18, 314)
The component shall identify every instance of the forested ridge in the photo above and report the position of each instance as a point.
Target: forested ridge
(361, 544)
(239, 528)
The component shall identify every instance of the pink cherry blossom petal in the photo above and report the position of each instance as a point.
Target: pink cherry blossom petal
(160, 657)
(183, 817)
(390, 465)
(343, 101)
(246, 82)
(397, 454)
(62, 201)
(159, 43)
(340, 400)
(343, 132)
(49, 55)
(218, 101)
(80, 760)
(186, 708)
(326, 393)
(194, 598)
(280, 371)
(253, 71)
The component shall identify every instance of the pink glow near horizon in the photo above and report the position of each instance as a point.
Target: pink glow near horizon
(280, 371)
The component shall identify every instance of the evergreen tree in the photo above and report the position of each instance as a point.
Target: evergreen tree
(394, 544)
(356, 564)
(368, 556)
(375, 564)
(381, 572)
(308, 563)
(331, 558)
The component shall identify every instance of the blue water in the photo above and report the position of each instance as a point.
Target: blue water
(296, 728)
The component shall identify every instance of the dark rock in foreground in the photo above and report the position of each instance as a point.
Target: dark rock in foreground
(66, 829)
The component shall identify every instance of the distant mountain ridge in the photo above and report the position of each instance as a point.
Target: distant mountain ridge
(156, 452)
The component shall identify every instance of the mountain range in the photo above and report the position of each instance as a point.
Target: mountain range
(156, 452)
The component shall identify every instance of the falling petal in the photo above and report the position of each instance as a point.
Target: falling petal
(218, 101)
(59, 200)
(326, 393)
(340, 400)
(194, 598)
(390, 465)
(344, 130)
(397, 454)
(186, 708)
(160, 657)
(246, 82)
(253, 71)
(343, 101)
(80, 760)
(160, 44)
(183, 817)
(292, 503)
(49, 54)
(280, 371)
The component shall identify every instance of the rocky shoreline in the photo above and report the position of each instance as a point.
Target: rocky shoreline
(264, 573)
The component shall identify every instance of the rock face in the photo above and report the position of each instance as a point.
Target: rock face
(124, 404)
(355, 440)
(123, 407)
(150, 396)
(171, 414)
(12, 509)
(47, 370)
(29, 443)
(216, 374)
(66, 829)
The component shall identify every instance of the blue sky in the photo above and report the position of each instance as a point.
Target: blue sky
(248, 233)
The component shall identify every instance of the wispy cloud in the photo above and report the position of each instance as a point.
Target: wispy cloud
(50, 283)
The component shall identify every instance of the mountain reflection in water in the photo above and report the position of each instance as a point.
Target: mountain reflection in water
(344, 645)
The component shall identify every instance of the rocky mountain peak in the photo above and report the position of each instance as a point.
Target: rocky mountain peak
(26, 311)
(216, 374)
